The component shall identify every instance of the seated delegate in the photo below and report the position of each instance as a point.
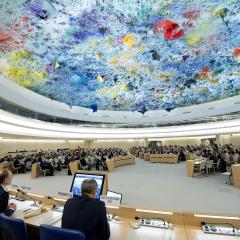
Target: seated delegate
(86, 213)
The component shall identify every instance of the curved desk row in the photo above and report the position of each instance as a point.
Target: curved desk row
(75, 165)
(186, 225)
(160, 158)
(111, 164)
(120, 161)
(163, 158)
(146, 155)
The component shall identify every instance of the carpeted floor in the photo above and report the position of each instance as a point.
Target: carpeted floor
(157, 186)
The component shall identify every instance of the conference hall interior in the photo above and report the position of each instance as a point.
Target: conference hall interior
(119, 120)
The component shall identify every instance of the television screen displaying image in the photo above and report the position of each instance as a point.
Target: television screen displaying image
(78, 179)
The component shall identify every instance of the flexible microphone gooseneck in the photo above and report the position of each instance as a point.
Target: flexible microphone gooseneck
(25, 194)
(16, 197)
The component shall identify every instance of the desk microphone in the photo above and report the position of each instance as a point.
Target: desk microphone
(164, 222)
(25, 194)
(50, 198)
(56, 208)
(229, 224)
(17, 198)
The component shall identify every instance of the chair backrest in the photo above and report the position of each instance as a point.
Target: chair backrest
(28, 164)
(210, 163)
(227, 157)
(52, 233)
(12, 163)
(235, 157)
(11, 228)
(202, 165)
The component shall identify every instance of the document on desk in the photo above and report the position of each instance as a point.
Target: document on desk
(144, 233)
(49, 218)
(21, 205)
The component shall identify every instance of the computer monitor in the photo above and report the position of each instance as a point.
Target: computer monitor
(78, 179)
(114, 194)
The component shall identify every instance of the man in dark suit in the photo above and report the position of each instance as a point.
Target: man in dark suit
(5, 207)
(86, 213)
(44, 165)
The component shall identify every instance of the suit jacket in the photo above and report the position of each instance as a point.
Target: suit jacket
(87, 215)
(4, 196)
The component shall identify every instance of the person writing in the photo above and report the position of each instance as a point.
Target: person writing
(5, 180)
(86, 213)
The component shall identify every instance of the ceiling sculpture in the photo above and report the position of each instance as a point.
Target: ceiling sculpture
(123, 55)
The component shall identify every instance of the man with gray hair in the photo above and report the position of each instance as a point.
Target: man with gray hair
(86, 213)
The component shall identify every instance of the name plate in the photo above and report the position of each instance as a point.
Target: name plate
(65, 195)
(110, 201)
(26, 189)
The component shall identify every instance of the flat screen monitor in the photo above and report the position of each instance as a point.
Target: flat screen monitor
(114, 194)
(78, 179)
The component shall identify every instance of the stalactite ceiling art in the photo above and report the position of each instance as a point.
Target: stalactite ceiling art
(125, 55)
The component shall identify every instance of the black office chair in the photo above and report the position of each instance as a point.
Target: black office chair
(12, 229)
(52, 233)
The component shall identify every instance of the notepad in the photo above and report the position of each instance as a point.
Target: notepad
(21, 205)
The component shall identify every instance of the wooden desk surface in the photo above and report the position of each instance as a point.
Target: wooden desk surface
(49, 218)
(121, 230)
(236, 175)
(145, 233)
(196, 233)
(186, 224)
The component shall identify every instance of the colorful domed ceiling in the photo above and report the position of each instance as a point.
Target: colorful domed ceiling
(125, 55)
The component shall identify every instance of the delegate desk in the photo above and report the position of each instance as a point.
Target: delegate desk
(120, 161)
(191, 156)
(190, 167)
(147, 156)
(6, 165)
(141, 155)
(190, 164)
(36, 171)
(74, 167)
(236, 175)
(186, 225)
(163, 158)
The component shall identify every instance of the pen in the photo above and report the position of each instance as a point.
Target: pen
(26, 210)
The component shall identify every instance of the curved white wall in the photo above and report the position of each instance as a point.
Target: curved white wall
(15, 125)
(14, 93)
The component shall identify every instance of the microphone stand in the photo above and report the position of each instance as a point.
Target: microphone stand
(56, 207)
(36, 204)
(59, 202)
(18, 198)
